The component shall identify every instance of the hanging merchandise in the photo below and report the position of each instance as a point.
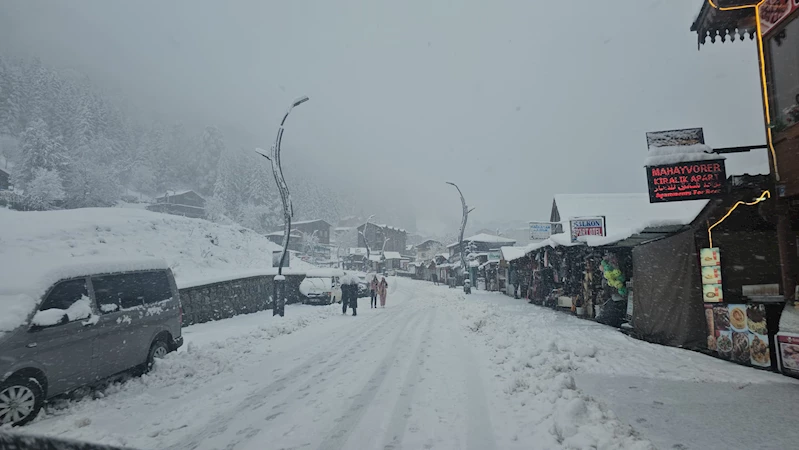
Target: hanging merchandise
(614, 276)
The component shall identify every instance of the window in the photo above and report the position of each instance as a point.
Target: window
(65, 294)
(131, 290)
(783, 50)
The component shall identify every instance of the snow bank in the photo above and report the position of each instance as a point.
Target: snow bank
(536, 352)
(44, 247)
(678, 154)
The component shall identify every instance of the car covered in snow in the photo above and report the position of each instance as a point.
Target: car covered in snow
(321, 286)
(69, 326)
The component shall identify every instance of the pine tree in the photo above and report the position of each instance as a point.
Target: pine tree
(44, 190)
(39, 151)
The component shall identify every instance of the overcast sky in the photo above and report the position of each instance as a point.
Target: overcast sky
(513, 100)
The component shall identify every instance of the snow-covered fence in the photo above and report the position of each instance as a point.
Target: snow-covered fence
(226, 299)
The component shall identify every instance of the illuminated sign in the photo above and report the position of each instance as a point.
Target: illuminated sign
(686, 180)
(773, 12)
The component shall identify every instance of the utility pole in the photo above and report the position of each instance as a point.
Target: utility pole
(279, 283)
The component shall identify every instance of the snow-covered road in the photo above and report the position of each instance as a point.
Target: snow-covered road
(434, 370)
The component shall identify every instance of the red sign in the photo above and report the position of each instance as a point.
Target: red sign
(772, 12)
(686, 180)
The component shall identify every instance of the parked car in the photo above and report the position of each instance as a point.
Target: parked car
(321, 286)
(90, 324)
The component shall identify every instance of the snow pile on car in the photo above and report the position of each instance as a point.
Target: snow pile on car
(23, 283)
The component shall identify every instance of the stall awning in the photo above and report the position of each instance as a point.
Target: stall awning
(715, 24)
(648, 235)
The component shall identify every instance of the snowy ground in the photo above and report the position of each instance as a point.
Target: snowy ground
(198, 251)
(434, 370)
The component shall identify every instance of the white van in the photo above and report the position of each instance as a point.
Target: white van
(321, 286)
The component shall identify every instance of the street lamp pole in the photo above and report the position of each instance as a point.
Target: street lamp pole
(466, 212)
(279, 293)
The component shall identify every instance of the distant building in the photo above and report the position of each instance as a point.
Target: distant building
(428, 249)
(295, 240)
(5, 180)
(180, 203)
(309, 227)
(377, 234)
(481, 243)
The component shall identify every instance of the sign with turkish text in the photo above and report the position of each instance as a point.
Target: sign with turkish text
(774, 12)
(686, 180)
(540, 230)
(587, 226)
(675, 138)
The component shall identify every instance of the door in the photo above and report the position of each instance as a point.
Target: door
(62, 336)
(131, 309)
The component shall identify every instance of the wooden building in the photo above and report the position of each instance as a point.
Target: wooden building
(780, 68)
(181, 203)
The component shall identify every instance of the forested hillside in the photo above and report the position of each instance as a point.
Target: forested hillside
(68, 144)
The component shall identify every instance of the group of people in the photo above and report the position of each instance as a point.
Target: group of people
(378, 289)
(349, 293)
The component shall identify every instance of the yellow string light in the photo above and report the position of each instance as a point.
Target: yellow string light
(764, 86)
(763, 197)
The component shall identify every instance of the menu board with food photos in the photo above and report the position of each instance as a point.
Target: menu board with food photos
(789, 353)
(738, 332)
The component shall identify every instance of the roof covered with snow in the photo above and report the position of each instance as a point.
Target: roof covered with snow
(511, 253)
(625, 216)
(305, 222)
(486, 238)
(392, 255)
(626, 211)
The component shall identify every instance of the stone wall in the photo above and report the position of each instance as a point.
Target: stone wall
(230, 298)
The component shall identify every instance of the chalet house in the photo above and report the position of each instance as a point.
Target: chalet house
(180, 203)
(394, 238)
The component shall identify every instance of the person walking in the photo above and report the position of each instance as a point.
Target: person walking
(352, 294)
(382, 289)
(373, 291)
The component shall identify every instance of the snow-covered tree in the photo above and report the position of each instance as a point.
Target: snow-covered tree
(44, 189)
(39, 151)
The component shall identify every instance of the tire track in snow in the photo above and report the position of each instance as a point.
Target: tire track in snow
(399, 417)
(337, 439)
(480, 433)
(332, 349)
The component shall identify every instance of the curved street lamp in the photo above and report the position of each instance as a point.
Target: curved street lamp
(279, 297)
(466, 212)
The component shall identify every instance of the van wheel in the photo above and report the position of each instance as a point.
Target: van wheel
(21, 399)
(158, 350)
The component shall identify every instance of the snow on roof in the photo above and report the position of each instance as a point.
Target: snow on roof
(626, 211)
(305, 222)
(511, 253)
(360, 251)
(625, 215)
(486, 238)
(23, 283)
(174, 193)
(375, 258)
(678, 154)
(392, 255)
